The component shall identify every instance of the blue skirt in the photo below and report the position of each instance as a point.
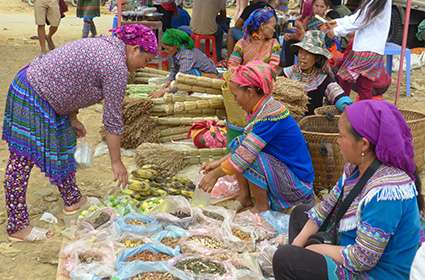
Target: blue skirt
(33, 129)
(283, 187)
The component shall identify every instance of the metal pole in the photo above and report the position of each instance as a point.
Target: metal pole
(119, 12)
(403, 50)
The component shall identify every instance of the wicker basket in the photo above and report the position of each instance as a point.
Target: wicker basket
(416, 122)
(321, 134)
(327, 111)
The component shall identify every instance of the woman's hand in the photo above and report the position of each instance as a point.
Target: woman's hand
(120, 173)
(157, 94)
(211, 165)
(209, 180)
(78, 126)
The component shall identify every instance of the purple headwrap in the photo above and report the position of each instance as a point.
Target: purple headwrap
(382, 124)
(254, 21)
(138, 35)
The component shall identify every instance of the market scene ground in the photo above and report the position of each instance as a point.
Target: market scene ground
(40, 260)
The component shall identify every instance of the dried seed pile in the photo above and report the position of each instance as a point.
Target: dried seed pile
(213, 215)
(201, 266)
(149, 256)
(207, 241)
(88, 257)
(292, 94)
(170, 241)
(181, 214)
(135, 222)
(131, 243)
(242, 235)
(154, 276)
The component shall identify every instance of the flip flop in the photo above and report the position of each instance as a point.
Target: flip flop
(89, 201)
(36, 234)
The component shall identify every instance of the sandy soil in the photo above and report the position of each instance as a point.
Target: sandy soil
(39, 260)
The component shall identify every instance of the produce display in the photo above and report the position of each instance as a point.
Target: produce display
(149, 256)
(207, 241)
(170, 241)
(154, 276)
(201, 266)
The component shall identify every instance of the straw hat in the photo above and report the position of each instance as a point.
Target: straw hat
(314, 42)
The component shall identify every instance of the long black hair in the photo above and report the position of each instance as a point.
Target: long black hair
(375, 7)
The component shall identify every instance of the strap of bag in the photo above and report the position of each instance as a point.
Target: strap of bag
(341, 206)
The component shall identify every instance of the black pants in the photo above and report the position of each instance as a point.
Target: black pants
(292, 262)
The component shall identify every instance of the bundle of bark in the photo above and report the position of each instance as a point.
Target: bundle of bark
(192, 83)
(292, 94)
(142, 76)
(139, 126)
(170, 160)
(189, 106)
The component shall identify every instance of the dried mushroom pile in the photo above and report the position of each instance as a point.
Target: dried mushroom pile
(292, 94)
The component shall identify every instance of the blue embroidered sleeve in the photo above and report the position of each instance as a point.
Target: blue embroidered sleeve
(378, 222)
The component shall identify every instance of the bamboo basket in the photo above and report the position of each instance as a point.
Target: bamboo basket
(416, 122)
(329, 110)
(321, 134)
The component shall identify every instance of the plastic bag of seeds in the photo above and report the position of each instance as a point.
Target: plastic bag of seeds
(262, 230)
(265, 252)
(129, 240)
(213, 214)
(174, 210)
(151, 271)
(170, 236)
(204, 268)
(204, 241)
(238, 237)
(138, 224)
(150, 252)
(89, 257)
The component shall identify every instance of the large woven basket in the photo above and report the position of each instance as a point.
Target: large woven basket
(321, 134)
(416, 122)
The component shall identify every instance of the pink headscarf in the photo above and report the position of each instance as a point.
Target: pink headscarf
(138, 35)
(255, 74)
(382, 124)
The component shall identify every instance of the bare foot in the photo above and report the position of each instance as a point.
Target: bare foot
(76, 206)
(50, 43)
(24, 233)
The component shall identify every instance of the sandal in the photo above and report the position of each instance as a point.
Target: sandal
(89, 201)
(36, 234)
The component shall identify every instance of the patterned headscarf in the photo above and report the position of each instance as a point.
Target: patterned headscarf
(254, 21)
(176, 37)
(382, 124)
(255, 74)
(138, 35)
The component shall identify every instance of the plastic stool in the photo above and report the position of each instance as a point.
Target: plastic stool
(209, 40)
(394, 49)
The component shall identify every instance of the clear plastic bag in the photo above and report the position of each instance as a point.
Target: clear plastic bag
(83, 154)
(239, 238)
(213, 214)
(122, 258)
(279, 221)
(225, 187)
(138, 224)
(265, 253)
(88, 259)
(204, 241)
(261, 229)
(174, 210)
(134, 268)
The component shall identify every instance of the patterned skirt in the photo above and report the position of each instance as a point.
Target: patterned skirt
(33, 129)
(367, 64)
(284, 188)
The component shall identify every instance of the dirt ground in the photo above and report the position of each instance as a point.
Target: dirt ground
(39, 260)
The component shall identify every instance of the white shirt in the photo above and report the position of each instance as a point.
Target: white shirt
(369, 36)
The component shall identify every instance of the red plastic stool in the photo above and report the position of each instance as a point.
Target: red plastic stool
(209, 40)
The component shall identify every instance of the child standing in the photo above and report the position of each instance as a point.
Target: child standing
(363, 68)
(88, 10)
